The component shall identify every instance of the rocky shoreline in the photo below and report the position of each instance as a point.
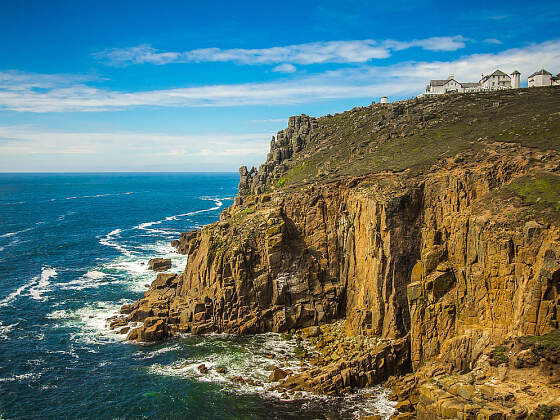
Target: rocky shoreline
(437, 274)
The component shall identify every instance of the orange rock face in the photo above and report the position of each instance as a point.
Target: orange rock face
(446, 260)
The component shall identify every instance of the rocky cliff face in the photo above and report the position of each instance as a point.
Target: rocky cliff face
(452, 255)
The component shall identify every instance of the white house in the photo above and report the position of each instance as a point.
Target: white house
(543, 78)
(438, 87)
(495, 81)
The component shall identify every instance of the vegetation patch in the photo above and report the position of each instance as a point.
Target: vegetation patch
(549, 341)
(542, 189)
(281, 182)
(417, 134)
(248, 210)
(499, 355)
(544, 412)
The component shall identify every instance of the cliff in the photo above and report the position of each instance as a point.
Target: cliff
(430, 225)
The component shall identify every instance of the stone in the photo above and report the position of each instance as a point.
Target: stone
(163, 280)
(404, 406)
(277, 374)
(159, 264)
(414, 291)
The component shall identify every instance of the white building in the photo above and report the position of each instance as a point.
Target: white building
(543, 78)
(495, 81)
(438, 87)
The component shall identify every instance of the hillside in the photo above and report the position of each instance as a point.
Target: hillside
(430, 228)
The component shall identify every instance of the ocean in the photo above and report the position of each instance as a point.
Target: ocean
(73, 249)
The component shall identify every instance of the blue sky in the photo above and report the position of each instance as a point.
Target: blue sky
(202, 86)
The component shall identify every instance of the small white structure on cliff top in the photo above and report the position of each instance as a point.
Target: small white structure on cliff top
(384, 100)
(543, 78)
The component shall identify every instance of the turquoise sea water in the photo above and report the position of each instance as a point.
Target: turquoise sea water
(73, 249)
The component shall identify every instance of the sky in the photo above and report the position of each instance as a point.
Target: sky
(94, 86)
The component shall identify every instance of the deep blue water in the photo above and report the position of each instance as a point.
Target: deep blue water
(73, 248)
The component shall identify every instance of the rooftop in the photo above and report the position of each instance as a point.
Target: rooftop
(541, 72)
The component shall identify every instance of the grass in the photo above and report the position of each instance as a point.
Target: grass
(381, 138)
(544, 412)
(542, 189)
(248, 210)
(499, 354)
(549, 341)
(281, 182)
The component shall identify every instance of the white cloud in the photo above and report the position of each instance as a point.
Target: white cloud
(365, 81)
(493, 41)
(354, 51)
(444, 43)
(285, 68)
(17, 80)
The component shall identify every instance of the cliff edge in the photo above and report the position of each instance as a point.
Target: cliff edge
(431, 225)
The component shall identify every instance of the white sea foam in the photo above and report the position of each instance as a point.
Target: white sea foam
(10, 234)
(90, 322)
(146, 225)
(92, 279)
(109, 240)
(12, 296)
(5, 329)
(43, 285)
(22, 377)
(251, 359)
(247, 359)
(97, 195)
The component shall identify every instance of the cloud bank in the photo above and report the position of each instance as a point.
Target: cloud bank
(356, 51)
(56, 93)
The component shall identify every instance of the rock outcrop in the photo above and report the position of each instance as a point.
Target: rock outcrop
(441, 251)
(159, 264)
(301, 130)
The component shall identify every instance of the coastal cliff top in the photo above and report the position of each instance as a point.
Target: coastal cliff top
(407, 137)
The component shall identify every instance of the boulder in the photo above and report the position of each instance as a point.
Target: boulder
(277, 374)
(159, 264)
(163, 280)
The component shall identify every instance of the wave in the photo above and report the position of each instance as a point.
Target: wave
(17, 232)
(10, 234)
(12, 296)
(22, 377)
(5, 329)
(43, 285)
(145, 226)
(109, 240)
(90, 321)
(90, 280)
(13, 203)
(63, 216)
(250, 357)
(97, 195)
